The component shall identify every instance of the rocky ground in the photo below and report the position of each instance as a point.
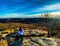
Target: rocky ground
(33, 41)
(30, 41)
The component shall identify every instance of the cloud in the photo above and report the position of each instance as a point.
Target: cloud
(52, 7)
(55, 14)
(10, 15)
(22, 6)
(27, 8)
(16, 15)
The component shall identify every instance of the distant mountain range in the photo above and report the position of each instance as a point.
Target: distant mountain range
(24, 20)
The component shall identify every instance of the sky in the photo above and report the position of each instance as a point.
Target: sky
(27, 8)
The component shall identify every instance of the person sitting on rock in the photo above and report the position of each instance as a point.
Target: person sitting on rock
(20, 33)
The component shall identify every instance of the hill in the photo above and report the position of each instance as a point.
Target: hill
(24, 20)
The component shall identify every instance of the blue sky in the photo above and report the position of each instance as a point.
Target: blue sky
(27, 8)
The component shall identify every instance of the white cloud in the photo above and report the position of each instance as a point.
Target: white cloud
(49, 7)
(55, 14)
(55, 8)
(37, 15)
(52, 7)
(10, 15)
(17, 15)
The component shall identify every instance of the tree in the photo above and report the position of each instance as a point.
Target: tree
(46, 15)
(49, 23)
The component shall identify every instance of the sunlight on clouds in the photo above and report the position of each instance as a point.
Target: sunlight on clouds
(52, 7)
(55, 14)
(11, 15)
(17, 15)
(27, 8)
(51, 15)
(49, 8)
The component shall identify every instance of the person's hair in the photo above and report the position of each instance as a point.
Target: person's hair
(20, 29)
